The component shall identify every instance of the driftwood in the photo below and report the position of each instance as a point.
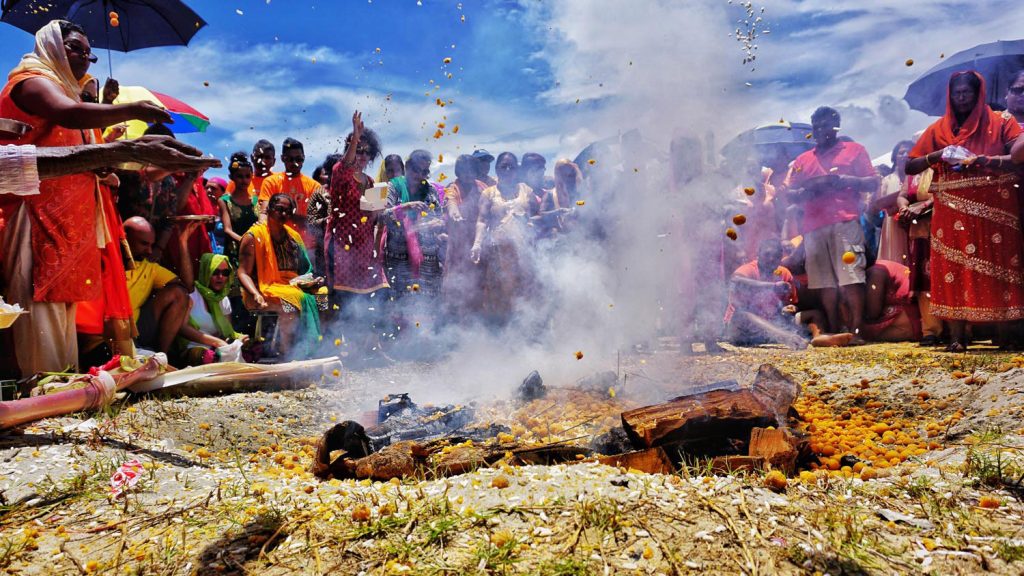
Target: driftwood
(711, 423)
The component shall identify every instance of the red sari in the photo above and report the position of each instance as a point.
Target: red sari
(976, 241)
(355, 260)
(198, 204)
(110, 315)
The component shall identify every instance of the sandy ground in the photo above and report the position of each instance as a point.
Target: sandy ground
(226, 489)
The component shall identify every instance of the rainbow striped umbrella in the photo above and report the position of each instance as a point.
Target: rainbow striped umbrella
(186, 118)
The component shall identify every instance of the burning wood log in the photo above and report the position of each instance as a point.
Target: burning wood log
(709, 422)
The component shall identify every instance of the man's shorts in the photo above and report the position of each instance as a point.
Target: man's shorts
(825, 247)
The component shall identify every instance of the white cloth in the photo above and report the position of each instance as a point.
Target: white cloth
(45, 338)
(19, 174)
(51, 60)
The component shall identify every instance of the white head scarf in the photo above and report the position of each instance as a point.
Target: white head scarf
(50, 60)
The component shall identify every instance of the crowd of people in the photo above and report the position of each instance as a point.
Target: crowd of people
(926, 249)
(823, 249)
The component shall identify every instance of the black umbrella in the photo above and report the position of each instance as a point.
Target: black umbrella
(141, 23)
(791, 139)
(996, 61)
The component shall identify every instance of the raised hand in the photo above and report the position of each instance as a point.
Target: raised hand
(111, 90)
(357, 127)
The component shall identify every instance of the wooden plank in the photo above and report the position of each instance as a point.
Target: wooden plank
(651, 461)
(776, 446)
(699, 422)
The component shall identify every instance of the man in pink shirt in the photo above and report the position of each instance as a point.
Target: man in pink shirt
(829, 181)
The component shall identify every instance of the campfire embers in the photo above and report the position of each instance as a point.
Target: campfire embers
(736, 427)
(399, 418)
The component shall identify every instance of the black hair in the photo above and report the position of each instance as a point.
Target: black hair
(328, 165)
(67, 28)
(465, 161)
(970, 77)
(394, 157)
(370, 139)
(532, 160)
(896, 148)
(420, 156)
(276, 198)
(291, 144)
(506, 155)
(238, 160)
(158, 129)
(263, 145)
(130, 193)
(825, 112)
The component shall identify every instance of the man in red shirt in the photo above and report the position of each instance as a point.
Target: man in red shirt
(829, 181)
(757, 293)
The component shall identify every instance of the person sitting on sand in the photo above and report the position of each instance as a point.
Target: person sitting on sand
(890, 313)
(160, 301)
(208, 329)
(758, 291)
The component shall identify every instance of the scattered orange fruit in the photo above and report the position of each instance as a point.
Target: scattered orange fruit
(989, 502)
(775, 480)
(849, 257)
(361, 513)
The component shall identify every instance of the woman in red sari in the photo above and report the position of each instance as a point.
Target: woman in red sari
(352, 242)
(976, 239)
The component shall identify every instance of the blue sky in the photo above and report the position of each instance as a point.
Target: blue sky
(545, 75)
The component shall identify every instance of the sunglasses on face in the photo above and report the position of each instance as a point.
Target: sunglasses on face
(75, 49)
(224, 273)
(1016, 90)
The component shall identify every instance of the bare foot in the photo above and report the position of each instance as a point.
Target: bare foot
(832, 340)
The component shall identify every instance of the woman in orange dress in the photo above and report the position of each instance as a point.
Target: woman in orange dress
(50, 246)
(976, 238)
